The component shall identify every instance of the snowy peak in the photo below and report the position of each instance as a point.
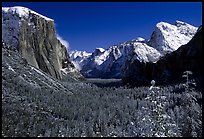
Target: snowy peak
(108, 63)
(78, 58)
(23, 12)
(140, 39)
(98, 51)
(180, 23)
(186, 29)
(167, 37)
(78, 54)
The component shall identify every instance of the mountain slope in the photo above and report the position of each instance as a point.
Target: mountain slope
(186, 58)
(35, 38)
(170, 67)
(167, 38)
(108, 63)
(78, 57)
(112, 62)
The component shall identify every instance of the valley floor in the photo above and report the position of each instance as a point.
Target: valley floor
(91, 111)
(105, 82)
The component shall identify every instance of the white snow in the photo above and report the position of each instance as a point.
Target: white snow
(12, 18)
(167, 38)
(140, 39)
(38, 71)
(69, 70)
(10, 68)
(77, 65)
(23, 12)
(78, 58)
(145, 53)
(80, 54)
(102, 59)
(100, 49)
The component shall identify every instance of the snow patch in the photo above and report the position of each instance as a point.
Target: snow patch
(10, 68)
(23, 12)
(68, 70)
(100, 49)
(140, 39)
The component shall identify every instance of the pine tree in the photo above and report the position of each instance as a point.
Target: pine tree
(163, 125)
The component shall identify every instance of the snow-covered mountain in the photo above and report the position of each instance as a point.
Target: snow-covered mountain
(111, 62)
(108, 63)
(78, 57)
(168, 38)
(169, 68)
(36, 40)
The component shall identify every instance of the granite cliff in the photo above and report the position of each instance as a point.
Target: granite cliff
(35, 38)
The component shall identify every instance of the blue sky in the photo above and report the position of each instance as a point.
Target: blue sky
(87, 25)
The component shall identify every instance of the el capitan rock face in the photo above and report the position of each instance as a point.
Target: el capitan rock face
(170, 67)
(35, 38)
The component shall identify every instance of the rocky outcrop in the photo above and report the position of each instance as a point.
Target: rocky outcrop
(41, 48)
(36, 39)
(169, 68)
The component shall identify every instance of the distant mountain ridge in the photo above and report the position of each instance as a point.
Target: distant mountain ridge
(111, 63)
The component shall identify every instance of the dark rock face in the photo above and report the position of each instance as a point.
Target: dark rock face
(36, 40)
(19, 76)
(41, 48)
(170, 67)
(137, 73)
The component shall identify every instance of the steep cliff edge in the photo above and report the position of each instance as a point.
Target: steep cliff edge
(35, 37)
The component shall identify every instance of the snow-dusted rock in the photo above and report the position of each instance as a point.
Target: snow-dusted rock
(35, 38)
(109, 63)
(169, 68)
(168, 38)
(78, 58)
(23, 12)
(140, 39)
(145, 53)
